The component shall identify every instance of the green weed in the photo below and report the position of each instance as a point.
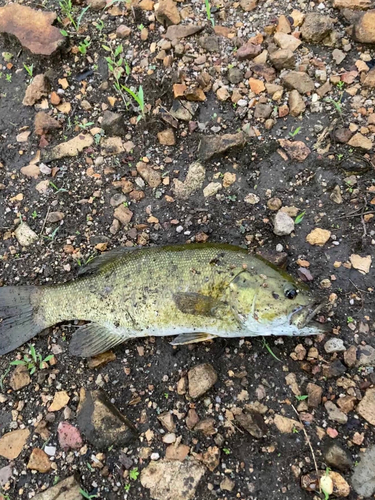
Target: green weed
(32, 361)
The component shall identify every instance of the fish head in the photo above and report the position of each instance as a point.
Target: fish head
(272, 303)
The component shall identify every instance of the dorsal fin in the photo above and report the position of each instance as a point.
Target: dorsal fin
(105, 258)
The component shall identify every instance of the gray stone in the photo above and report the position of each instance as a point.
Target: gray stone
(183, 110)
(215, 144)
(68, 489)
(334, 413)
(366, 356)
(363, 478)
(297, 80)
(248, 51)
(283, 224)
(194, 181)
(283, 59)
(334, 345)
(235, 75)
(113, 123)
(263, 110)
(25, 235)
(253, 423)
(316, 27)
(5, 475)
(201, 379)
(210, 43)
(337, 457)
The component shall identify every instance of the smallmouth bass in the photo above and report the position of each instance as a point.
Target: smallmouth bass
(196, 292)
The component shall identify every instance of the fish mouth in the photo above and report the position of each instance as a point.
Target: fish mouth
(302, 316)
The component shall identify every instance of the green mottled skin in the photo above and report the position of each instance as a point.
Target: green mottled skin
(136, 292)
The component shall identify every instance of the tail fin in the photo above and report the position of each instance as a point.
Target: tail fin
(18, 322)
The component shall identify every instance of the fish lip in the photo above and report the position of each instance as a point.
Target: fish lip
(304, 314)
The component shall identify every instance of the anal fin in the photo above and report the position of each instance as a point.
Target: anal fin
(192, 338)
(92, 339)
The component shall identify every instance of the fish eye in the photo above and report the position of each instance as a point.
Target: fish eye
(290, 292)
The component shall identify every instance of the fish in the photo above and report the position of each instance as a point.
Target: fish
(195, 292)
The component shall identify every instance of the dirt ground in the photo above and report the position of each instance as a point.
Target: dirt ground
(332, 188)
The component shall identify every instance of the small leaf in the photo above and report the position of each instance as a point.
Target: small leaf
(105, 47)
(64, 33)
(17, 362)
(299, 217)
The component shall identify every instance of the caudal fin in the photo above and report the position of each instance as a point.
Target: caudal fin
(18, 322)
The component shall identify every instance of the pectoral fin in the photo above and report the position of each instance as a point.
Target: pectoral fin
(192, 338)
(92, 339)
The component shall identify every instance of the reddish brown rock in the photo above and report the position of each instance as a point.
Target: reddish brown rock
(44, 123)
(39, 461)
(248, 51)
(297, 150)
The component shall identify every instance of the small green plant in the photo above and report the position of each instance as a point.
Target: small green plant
(208, 12)
(340, 156)
(85, 126)
(99, 25)
(66, 7)
(127, 487)
(139, 99)
(349, 319)
(58, 190)
(340, 85)
(34, 215)
(86, 495)
(32, 361)
(336, 104)
(29, 69)
(8, 77)
(140, 27)
(83, 46)
(302, 398)
(2, 378)
(226, 451)
(266, 345)
(89, 466)
(299, 217)
(166, 395)
(295, 132)
(134, 473)
(56, 479)
(295, 430)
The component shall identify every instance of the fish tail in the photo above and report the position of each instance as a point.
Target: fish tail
(19, 318)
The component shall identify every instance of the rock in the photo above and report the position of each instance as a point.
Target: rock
(364, 28)
(206, 426)
(286, 425)
(211, 145)
(222, 94)
(193, 182)
(123, 214)
(342, 135)
(172, 480)
(201, 379)
(60, 400)
(318, 236)
(296, 103)
(283, 225)
(350, 356)
(253, 423)
(167, 137)
(346, 403)
(20, 378)
(32, 171)
(195, 93)
(336, 195)
(363, 478)
(101, 359)
(111, 146)
(338, 56)
(248, 5)
(337, 457)
(33, 28)
(123, 31)
(235, 75)
(167, 13)
(12, 443)
(297, 150)
(334, 369)
(311, 482)
(316, 27)
(334, 413)
(315, 395)
(179, 452)
(366, 407)
(68, 489)
(113, 124)
(334, 345)
(366, 356)
(248, 51)
(360, 141)
(101, 422)
(266, 72)
(362, 264)
(283, 59)
(44, 123)
(166, 419)
(263, 110)
(25, 235)
(210, 43)
(70, 148)
(55, 217)
(287, 42)
(211, 458)
(39, 461)
(178, 32)
(6, 474)
(257, 86)
(369, 80)
(69, 436)
(192, 419)
(353, 4)
(228, 179)
(36, 90)
(227, 484)
(297, 80)
(96, 4)
(183, 111)
(148, 174)
(211, 189)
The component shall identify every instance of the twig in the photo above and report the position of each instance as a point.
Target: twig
(45, 220)
(308, 440)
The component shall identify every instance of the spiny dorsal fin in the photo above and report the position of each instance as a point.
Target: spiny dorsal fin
(102, 260)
